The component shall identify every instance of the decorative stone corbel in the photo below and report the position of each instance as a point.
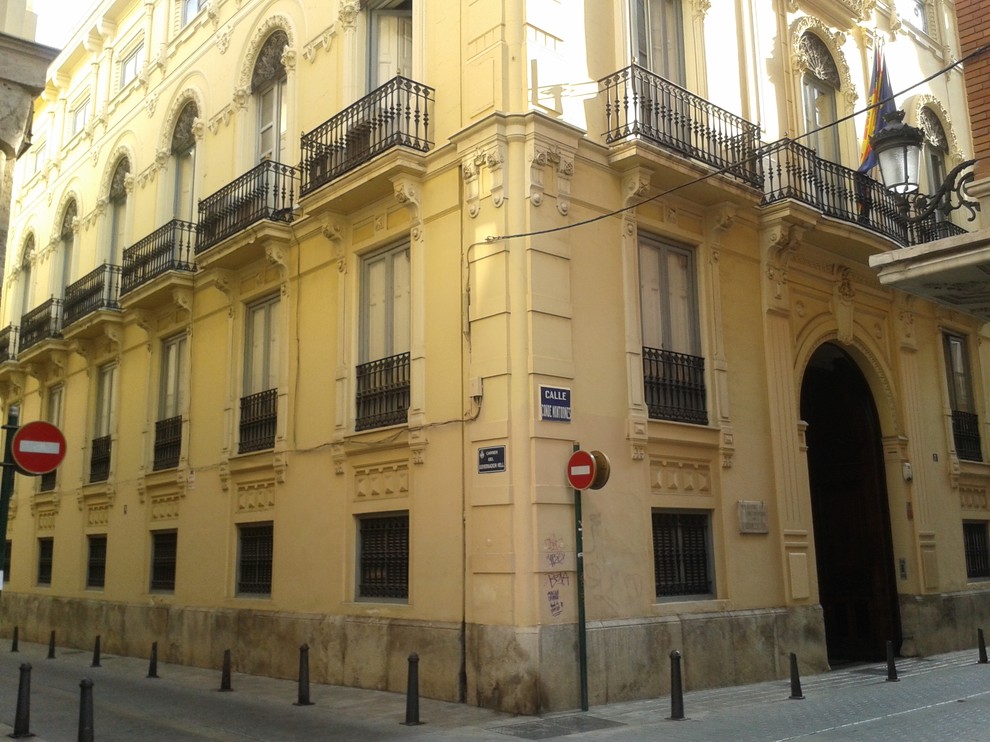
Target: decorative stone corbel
(537, 162)
(781, 242)
(471, 175)
(277, 257)
(12, 386)
(280, 464)
(223, 281)
(183, 300)
(335, 235)
(719, 221)
(495, 159)
(565, 171)
(224, 472)
(407, 194)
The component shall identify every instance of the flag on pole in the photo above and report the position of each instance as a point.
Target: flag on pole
(881, 102)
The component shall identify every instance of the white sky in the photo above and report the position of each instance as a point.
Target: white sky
(57, 19)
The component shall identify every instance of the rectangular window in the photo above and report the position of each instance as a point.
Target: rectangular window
(383, 557)
(99, 462)
(96, 564)
(914, 12)
(37, 157)
(6, 561)
(254, 560)
(391, 42)
(820, 118)
(168, 427)
(131, 65)
(659, 36)
(673, 369)
(259, 405)
(682, 553)
(272, 121)
(46, 550)
(80, 116)
(164, 550)
(383, 375)
(53, 414)
(965, 422)
(977, 545)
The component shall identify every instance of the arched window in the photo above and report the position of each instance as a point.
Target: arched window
(268, 89)
(184, 163)
(26, 287)
(936, 149)
(118, 210)
(62, 267)
(819, 90)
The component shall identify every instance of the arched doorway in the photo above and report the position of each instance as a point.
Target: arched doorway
(856, 579)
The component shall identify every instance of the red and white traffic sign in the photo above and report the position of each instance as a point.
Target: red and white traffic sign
(38, 447)
(581, 470)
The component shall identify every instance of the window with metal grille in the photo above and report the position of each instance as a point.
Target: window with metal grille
(977, 545)
(681, 553)
(96, 565)
(383, 558)
(965, 422)
(254, 562)
(6, 562)
(164, 549)
(46, 549)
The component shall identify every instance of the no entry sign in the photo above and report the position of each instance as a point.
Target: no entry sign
(38, 447)
(588, 470)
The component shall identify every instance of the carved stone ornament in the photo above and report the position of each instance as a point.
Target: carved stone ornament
(223, 39)
(817, 50)
(495, 158)
(348, 14)
(407, 194)
(321, 41)
(782, 242)
(934, 120)
(471, 175)
(264, 58)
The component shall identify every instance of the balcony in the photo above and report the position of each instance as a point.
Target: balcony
(259, 414)
(395, 115)
(8, 343)
(642, 105)
(44, 322)
(382, 392)
(168, 443)
(92, 298)
(265, 194)
(160, 262)
(966, 435)
(674, 385)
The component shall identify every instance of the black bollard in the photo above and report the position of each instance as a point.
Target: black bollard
(676, 688)
(22, 720)
(85, 710)
(13, 642)
(979, 638)
(303, 677)
(225, 674)
(153, 662)
(796, 694)
(51, 646)
(412, 692)
(891, 668)
(96, 652)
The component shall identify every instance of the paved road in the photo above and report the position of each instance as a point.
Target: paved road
(940, 698)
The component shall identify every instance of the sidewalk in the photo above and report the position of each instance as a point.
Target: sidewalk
(945, 698)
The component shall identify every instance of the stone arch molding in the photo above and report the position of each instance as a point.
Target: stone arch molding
(265, 29)
(188, 95)
(120, 152)
(914, 107)
(68, 197)
(874, 370)
(833, 41)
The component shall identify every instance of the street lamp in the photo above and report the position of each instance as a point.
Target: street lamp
(898, 149)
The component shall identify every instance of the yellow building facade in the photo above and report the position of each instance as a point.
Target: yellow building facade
(323, 295)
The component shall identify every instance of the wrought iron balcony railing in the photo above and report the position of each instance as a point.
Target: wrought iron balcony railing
(642, 104)
(8, 343)
(98, 289)
(396, 114)
(675, 386)
(382, 392)
(791, 170)
(168, 443)
(99, 459)
(259, 414)
(41, 323)
(267, 191)
(966, 434)
(168, 248)
(931, 229)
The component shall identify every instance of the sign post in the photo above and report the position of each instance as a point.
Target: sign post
(7, 484)
(35, 448)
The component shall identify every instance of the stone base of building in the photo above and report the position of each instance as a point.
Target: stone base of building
(516, 669)
(944, 622)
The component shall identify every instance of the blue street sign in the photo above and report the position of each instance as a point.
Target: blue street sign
(555, 404)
